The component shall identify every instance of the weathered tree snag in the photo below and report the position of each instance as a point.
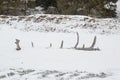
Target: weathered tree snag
(17, 44)
(91, 48)
(61, 46)
(32, 44)
(93, 44)
(50, 45)
(83, 46)
(77, 40)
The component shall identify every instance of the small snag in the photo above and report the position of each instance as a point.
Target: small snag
(17, 44)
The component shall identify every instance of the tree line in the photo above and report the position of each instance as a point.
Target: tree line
(97, 8)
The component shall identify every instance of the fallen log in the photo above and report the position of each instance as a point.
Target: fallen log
(88, 49)
(91, 48)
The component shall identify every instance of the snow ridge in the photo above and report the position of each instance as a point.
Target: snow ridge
(60, 23)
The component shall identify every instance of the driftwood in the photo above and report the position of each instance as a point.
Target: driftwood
(50, 45)
(91, 48)
(93, 44)
(17, 44)
(77, 40)
(32, 44)
(88, 49)
(61, 46)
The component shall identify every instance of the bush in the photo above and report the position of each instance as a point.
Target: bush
(46, 3)
(98, 8)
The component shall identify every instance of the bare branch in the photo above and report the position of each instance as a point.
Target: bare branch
(77, 40)
(61, 46)
(94, 41)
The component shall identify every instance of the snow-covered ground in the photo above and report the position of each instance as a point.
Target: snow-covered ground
(46, 60)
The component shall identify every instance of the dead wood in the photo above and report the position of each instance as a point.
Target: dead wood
(77, 40)
(17, 44)
(61, 46)
(91, 48)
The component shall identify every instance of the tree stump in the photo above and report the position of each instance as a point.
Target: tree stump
(17, 44)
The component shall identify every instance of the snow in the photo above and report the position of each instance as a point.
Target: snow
(44, 62)
(118, 8)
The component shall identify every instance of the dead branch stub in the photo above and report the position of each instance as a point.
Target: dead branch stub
(93, 44)
(17, 44)
(50, 45)
(32, 44)
(77, 40)
(61, 46)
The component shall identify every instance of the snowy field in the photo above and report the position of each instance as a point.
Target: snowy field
(45, 60)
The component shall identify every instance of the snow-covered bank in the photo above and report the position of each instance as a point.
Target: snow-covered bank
(61, 23)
